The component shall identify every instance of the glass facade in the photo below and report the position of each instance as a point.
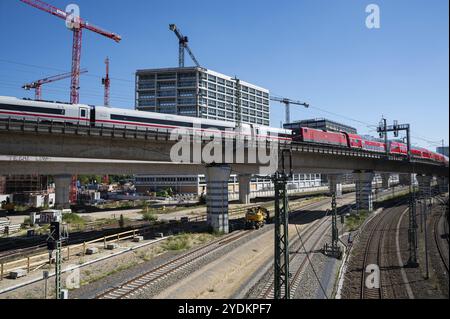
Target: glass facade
(201, 93)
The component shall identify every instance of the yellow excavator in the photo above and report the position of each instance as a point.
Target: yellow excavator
(256, 217)
(7, 205)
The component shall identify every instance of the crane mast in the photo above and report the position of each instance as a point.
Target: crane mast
(287, 102)
(78, 24)
(37, 85)
(183, 45)
(106, 82)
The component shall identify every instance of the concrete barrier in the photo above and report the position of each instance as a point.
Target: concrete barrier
(17, 273)
(91, 251)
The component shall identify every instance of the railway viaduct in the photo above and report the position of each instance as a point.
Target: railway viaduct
(64, 151)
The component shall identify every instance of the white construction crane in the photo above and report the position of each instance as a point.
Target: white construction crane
(287, 102)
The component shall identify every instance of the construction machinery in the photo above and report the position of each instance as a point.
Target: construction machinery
(75, 24)
(256, 217)
(37, 85)
(287, 102)
(8, 206)
(183, 45)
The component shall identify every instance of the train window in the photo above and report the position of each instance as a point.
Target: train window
(83, 113)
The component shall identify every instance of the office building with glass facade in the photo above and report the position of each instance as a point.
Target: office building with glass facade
(199, 92)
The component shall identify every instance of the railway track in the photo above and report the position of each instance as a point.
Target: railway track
(298, 263)
(372, 255)
(440, 244)
(295, 260)
(269, 287)
(18, 253)
(375, 250)
(135, 285)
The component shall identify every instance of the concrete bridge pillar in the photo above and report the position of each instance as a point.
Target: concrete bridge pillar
(424, 182)
(217, 177)
(364, 196)
(335, 184)
(443, 184)
(244, 189)
(385, 177)
(62, 191)
(404, 179)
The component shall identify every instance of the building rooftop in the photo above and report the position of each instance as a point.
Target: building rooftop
(323, 124)
(194, 68)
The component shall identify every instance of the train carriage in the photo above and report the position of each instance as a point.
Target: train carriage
(420, 152)
(306, 134)
(13, 109)
(398, 148)
(152, 121)
(104, 117)
(374, 146)
(19, 110)
(355, 141)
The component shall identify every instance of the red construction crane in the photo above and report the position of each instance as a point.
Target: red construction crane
(76, 24)
(106, 82)
(37, 85)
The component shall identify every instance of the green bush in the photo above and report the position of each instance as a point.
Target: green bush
(179, 242)
(353, 222)
(26, 223)
(73, 218)
(149, 216)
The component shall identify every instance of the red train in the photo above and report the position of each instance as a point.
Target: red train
(310, 135)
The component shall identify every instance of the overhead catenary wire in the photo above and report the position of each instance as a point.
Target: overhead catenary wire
(309, 259)
(59, 70)
(365, 124)
(312, 106)
(56, 91)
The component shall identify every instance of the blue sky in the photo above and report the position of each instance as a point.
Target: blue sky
(318, 51)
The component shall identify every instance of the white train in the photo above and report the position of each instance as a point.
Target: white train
(100, 116)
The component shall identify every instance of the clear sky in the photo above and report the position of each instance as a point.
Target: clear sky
(319, 51)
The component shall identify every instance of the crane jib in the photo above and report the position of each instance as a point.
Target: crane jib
(61, 13)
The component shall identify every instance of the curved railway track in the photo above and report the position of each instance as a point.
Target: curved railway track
(372, 255)
(443, 251)
(376, 252)
(133, 286)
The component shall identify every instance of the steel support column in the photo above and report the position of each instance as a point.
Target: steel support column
(281, 264)
(412, 225)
